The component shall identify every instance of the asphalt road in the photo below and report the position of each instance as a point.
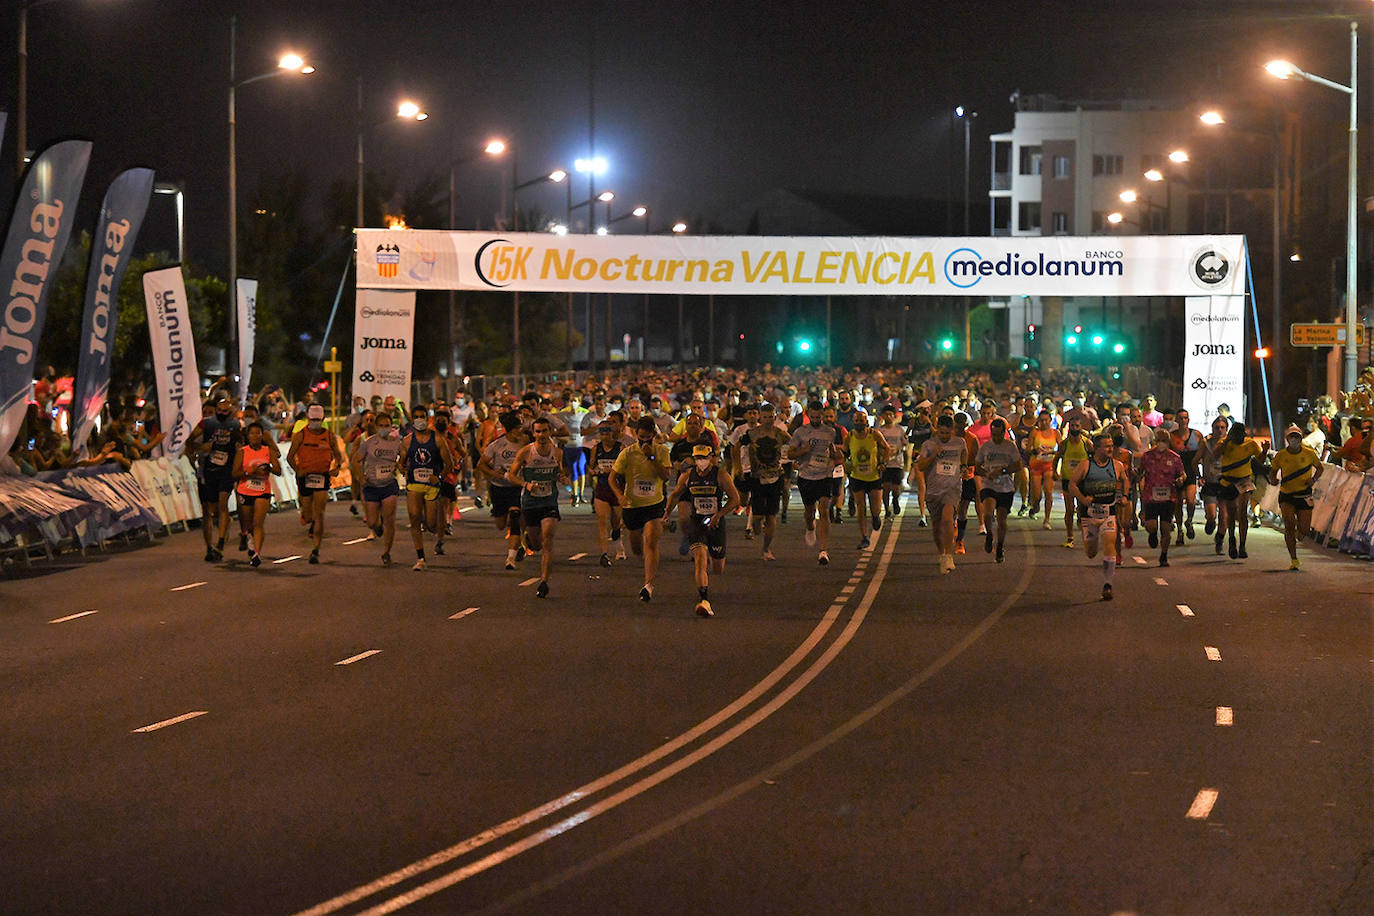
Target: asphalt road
(867, 737)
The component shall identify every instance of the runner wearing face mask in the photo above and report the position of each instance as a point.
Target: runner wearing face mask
(218, 436)
(538, 468)
(252, 465)
(315, 456)
(1099, 486)
(448, 483)
(503, 492)
(637, 479)
(374, 463)
(1298, 466)
(425, 458)
(711, 493)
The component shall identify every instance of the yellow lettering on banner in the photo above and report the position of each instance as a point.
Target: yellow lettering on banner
(826, 266)
(651, 277)
(797, 269)
(777, 267)
(751, 269)
(584, 268)
(672, 268)
(851, 259)
(606, 268)
(562, 270)
(692, 267)
(925, 267)
(877, 267)
(632, 267)
(724, 272)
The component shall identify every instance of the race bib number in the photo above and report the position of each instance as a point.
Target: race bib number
(316, 481)
(219, 459)
(1099, 510)
(645, 487)
(704, 505)
(604, 465)
(386, 471)
(818, 461)
(863, 466)
(541, 489)
(767, 477)
(947, 467)
(422, 475)
(1046, 450)
(1161, 494)
(1245, 486)
(838, 471)
(252, 486)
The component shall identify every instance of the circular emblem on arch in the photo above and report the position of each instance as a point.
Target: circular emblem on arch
(1209, 267)
(477, 262)
(972, 262)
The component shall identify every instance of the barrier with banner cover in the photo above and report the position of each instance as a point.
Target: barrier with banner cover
(170, 484)
(31, 507)
(121, 504)
(1343, 510)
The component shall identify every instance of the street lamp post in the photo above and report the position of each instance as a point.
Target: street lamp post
(590, 203)
(178, 189)
(557, 175)
(967, 117)
(406, 110)
(1284, 70)
(289, 63)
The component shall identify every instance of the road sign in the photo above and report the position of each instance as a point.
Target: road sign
(333, 365)
(1322, 335)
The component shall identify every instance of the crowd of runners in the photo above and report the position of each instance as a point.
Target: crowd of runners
(656, 458)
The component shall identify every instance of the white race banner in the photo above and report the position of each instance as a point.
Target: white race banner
(383, 331)
(174, 356)
(248, 325)
(1214, 357)
(1170, 265)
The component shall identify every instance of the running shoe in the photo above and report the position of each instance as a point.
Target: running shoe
(683, 548)
(1021, 512)
(386, 559)
(315, 557)
(837, 518)
(510, 564)
(982, 528)
(1068, 542)
(605, 559)
(1107, 592)
(542, 589)
(748, 534)
(1046, 523)
(824, 558)
(1218, 540)
(646, 593)
(1191, 533)
(959, 548)
(1295, 563)
(243, 542)
(353, 510)
(378, 531)
(254, 560)
(1035, 510)
(863, 544)
(1242, 554)
(768, 556)
(877, 526)
(1178, 542)
(1163, 559)
(922, 523)
(896, 508)
(1154, 539)
(1231, 548)
(219, 554)
(419, 565)
(1000, 555)
(619, 551)
(615, 534)
(987, 542)
(1209, 527)
(209, 554)
(477, 502)
(704, 609)
(810, 537)
(439, 548)
(448, 529)
(520, 553)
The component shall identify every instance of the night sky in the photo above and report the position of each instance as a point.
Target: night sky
(699, 106)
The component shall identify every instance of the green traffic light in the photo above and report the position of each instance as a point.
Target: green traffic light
(804, 346)
(946, 344)
(1071, 340)
(1119, 348)
(1097, 340)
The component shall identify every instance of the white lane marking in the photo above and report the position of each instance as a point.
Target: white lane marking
(577, 556)
(294, 556)
(166, 722)
(1225, 716)
(356, 541)
(359, 657)
(182, 588)
(1213, 653)
(1202, 805)
(847, 590)
(1185, 610)
(1141, 561)
(1159, 581)
(529, 581)
(73, 616)
(463, 613)
(535, 814)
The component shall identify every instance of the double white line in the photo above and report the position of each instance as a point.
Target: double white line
(653, 777)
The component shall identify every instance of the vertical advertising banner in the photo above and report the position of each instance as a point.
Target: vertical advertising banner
(112, 247)
(383, 331)
(248, 325)
(1213, 357)
(174, 356)
(37, 237)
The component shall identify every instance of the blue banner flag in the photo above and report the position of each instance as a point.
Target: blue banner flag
(38, 233)
(112, 247)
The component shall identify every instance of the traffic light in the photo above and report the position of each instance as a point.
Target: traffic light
(947, 344)
(1262, 353)
(1030, 332)
(1098, 340)
(1118, 348)
(804, 346)
(1071, 339)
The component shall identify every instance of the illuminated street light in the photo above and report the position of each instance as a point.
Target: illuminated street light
(602, 230)
(1115, 218)
(495, 147)
(1178, 156)
(1154, 175)
(1211, 118)
(639, 211)
(1282, 69)
(679, 227)
(410, 111)
(1127, 196)
(597, 165)
(558, 175)
(606, 196)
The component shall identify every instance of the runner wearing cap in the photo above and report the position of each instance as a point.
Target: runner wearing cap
(315, 456)
(637, 480)
(1298, 466)
(710, 493)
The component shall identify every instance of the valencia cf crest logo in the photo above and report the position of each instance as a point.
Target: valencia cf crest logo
(388, 260)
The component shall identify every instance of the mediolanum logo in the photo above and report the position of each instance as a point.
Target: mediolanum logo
(1214, 319)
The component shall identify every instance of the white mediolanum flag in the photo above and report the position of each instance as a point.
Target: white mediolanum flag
(174, 356)
(248, 324)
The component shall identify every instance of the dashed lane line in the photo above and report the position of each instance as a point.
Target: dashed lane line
(577, 556)
(73, 616)
(182, 588)
(356, 541)
(1213, 653)
(1161, 581)
(1201, 807)
(463, 613)
(173, 721)
(1185, 610)
(529, 581)
(359, 657)
(1226, 717)
(281, 560)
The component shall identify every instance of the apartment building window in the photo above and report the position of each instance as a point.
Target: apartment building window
(1061, 166)
(1107, 165)
(1030, 160)
(1028, 215)
(1059, 220)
